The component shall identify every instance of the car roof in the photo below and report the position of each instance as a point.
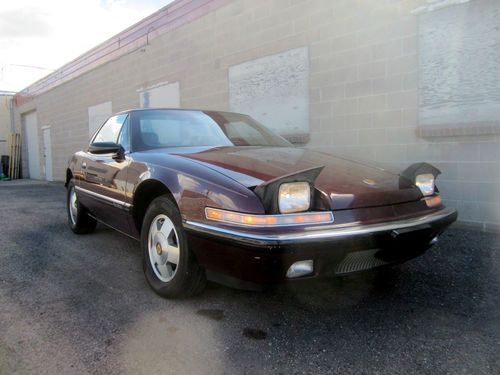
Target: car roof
(176, 109)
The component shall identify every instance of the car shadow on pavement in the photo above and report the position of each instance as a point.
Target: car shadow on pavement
(432, 313)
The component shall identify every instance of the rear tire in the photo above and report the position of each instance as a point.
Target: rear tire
(78, 219)
(169, 265)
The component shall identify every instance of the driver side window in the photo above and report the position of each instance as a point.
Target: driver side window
(110, 130)
(123, 138)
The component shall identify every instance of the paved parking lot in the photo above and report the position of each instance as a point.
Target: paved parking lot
(79, 304)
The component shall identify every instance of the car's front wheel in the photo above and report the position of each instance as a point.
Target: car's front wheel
(78, 219)
(169, 266)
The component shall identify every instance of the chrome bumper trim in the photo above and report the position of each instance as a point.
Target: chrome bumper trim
(340, 231)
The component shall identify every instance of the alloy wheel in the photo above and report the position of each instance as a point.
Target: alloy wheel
(164, 249)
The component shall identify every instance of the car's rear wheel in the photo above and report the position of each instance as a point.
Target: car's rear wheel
(169, 265)
(79, 220)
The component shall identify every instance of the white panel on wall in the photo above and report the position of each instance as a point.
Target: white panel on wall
(274, 90)
(98, 114)
(163, 95)
(459, 64)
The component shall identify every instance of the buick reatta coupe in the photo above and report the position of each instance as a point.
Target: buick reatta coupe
(215, 195)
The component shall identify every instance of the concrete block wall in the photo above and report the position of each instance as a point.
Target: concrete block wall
(363, 87)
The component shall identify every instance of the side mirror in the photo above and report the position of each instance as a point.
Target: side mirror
(105, 148)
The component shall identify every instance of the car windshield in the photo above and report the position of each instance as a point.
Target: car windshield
(181, 128)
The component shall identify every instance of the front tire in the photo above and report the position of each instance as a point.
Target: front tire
(169, 265)
(78, 219)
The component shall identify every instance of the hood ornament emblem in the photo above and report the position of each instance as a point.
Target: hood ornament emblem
(369, 181)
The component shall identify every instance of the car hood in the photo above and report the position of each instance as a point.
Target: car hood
(343, 183)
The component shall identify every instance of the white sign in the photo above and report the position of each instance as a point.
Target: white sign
(274, 90)
(164, 95)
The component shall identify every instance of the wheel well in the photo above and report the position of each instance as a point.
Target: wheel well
(144, 195)
(69, 176)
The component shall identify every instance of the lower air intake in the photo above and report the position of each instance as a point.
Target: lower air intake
(359, 261)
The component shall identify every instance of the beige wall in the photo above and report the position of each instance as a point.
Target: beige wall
(363, 87)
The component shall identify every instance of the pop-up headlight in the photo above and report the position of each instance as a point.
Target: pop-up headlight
(423, 175)
(290, 193)
(294, 197)
(425, 182)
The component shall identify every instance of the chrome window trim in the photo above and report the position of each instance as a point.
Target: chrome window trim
(109, 200)
(339, 231)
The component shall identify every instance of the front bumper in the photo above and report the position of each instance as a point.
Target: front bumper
(263, 258)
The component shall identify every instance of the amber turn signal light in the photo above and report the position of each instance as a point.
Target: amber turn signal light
(268, 220)
(433, 201)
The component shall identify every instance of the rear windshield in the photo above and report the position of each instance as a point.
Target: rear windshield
(179, 128)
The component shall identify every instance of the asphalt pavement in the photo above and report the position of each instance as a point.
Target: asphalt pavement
(73, 304)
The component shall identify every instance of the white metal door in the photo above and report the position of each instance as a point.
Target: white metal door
(47, 153)
(31, 138)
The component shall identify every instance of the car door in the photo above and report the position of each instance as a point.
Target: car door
(104, 176)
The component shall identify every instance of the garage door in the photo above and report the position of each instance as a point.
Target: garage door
(31, 141)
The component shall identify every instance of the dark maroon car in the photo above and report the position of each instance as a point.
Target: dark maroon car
(216, 195)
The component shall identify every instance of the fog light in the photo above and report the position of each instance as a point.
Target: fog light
(301, 268)
(434, 240)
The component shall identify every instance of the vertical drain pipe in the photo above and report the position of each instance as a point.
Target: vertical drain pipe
(12, 132)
